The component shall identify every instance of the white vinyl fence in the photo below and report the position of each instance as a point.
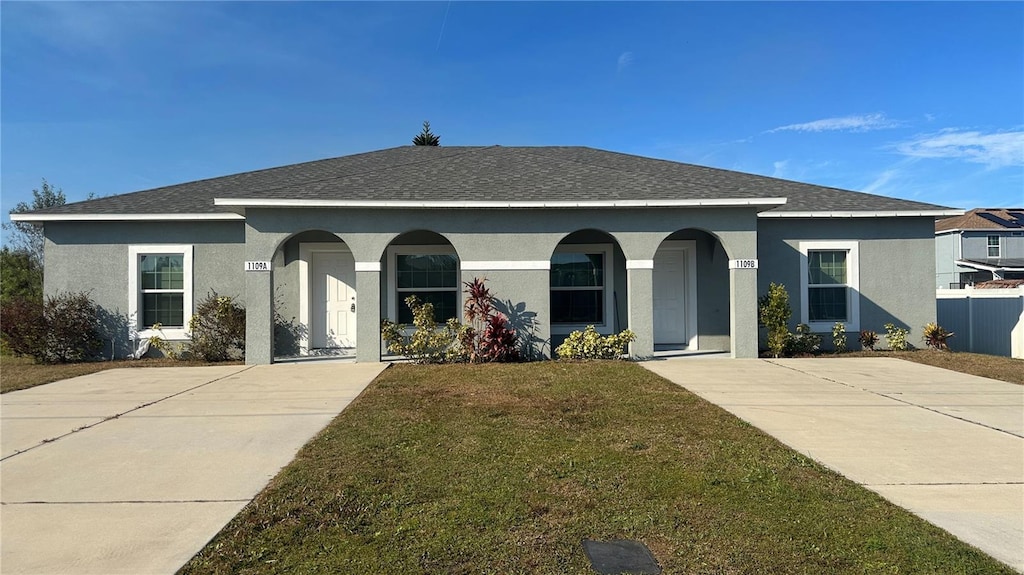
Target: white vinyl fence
(984, 320)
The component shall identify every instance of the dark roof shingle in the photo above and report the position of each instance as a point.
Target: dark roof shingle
(491, 173)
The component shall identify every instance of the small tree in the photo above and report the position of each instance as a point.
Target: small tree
(20, 276)
(774, 313)
(425, 138)
(28, 236)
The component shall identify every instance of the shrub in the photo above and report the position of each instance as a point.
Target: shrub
(896, 337)
(588, 344)
(936, 336)
(868, 339)
(488, 336)
(61, 329)
(803, 342)
(839, 337)
(217, 329)
(428, 344)
(22, 326)
(773, 312)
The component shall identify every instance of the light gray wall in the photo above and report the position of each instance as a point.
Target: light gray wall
(480, 235)
(946, 270)
(93, 257)
(976, 244)
(897, 264)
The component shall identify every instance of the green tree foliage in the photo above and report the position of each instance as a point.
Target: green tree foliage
(20, 276)
(29, 237)
(774, 313)
(425, 138)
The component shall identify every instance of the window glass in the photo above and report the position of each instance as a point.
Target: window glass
(827, 304)
(577, 306)
(827, 293)
(163, 271)
(166, 309)
(993, 246)
(434, 278)
(577, 270)
(827, 267)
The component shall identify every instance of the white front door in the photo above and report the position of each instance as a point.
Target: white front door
(670, 297)
(332, 300)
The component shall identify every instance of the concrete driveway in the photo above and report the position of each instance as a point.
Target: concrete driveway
(134, 470)
(945, 445)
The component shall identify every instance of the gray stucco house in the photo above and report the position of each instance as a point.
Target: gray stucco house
(981, 245)
(566, 237)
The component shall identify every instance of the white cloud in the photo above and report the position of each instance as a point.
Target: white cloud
(862, 123)
(625, 59)
(880, 182)
(995, 150)
(780, 169)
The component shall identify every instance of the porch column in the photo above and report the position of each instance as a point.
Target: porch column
(259, 316)
(368, 312)
(743, 312)
(640, 290)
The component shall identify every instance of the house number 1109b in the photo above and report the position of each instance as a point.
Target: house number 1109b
(257, 266)
(743, 264)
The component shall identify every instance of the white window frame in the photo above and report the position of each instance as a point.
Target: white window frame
(419, 250)
(606, 327)
(998, 246)
(135, 293)
(851, 247)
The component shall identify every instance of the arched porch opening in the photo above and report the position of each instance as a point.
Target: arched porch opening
(691, 293)
(314, 296)
(587, 285)
(425, 264)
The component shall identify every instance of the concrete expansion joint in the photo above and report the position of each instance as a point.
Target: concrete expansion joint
(118, 415)
(903, 401)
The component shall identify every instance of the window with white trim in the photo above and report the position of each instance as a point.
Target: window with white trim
(580, 276)
(431, 273)
(829, 285)
(160, 289)
(993, 246)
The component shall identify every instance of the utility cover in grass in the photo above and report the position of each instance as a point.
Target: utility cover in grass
(620, 556)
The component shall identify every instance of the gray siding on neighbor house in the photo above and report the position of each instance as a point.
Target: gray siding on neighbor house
(946, 254)
(975, 244)
(93, 257)
(897, 262)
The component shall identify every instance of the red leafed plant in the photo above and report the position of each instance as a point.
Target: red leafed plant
(489, 336)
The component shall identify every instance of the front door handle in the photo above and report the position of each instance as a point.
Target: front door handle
(353, 308)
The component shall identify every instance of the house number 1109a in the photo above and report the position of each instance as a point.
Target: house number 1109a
(257, 266)
(743, 264)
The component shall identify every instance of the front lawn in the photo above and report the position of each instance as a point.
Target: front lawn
(991, 366)
(507, 468)
(22, 372)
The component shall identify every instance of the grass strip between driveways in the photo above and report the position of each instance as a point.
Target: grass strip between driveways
(507, 468)
(992, 366)
(22, 372)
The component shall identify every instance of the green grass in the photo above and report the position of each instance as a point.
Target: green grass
(991, 366)
(22, 372)
(507, 468)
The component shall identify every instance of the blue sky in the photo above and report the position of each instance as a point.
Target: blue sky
(916, 100)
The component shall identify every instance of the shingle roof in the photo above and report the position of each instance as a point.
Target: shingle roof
(983, 219)
(492, 173)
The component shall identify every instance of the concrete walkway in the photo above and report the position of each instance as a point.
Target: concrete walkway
(945, 445)
(134, 470)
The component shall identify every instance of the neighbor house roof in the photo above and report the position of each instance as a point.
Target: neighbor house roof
(984, 219)
(490, 176)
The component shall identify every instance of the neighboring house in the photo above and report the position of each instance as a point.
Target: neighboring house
(981, 245)
(565, 236)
